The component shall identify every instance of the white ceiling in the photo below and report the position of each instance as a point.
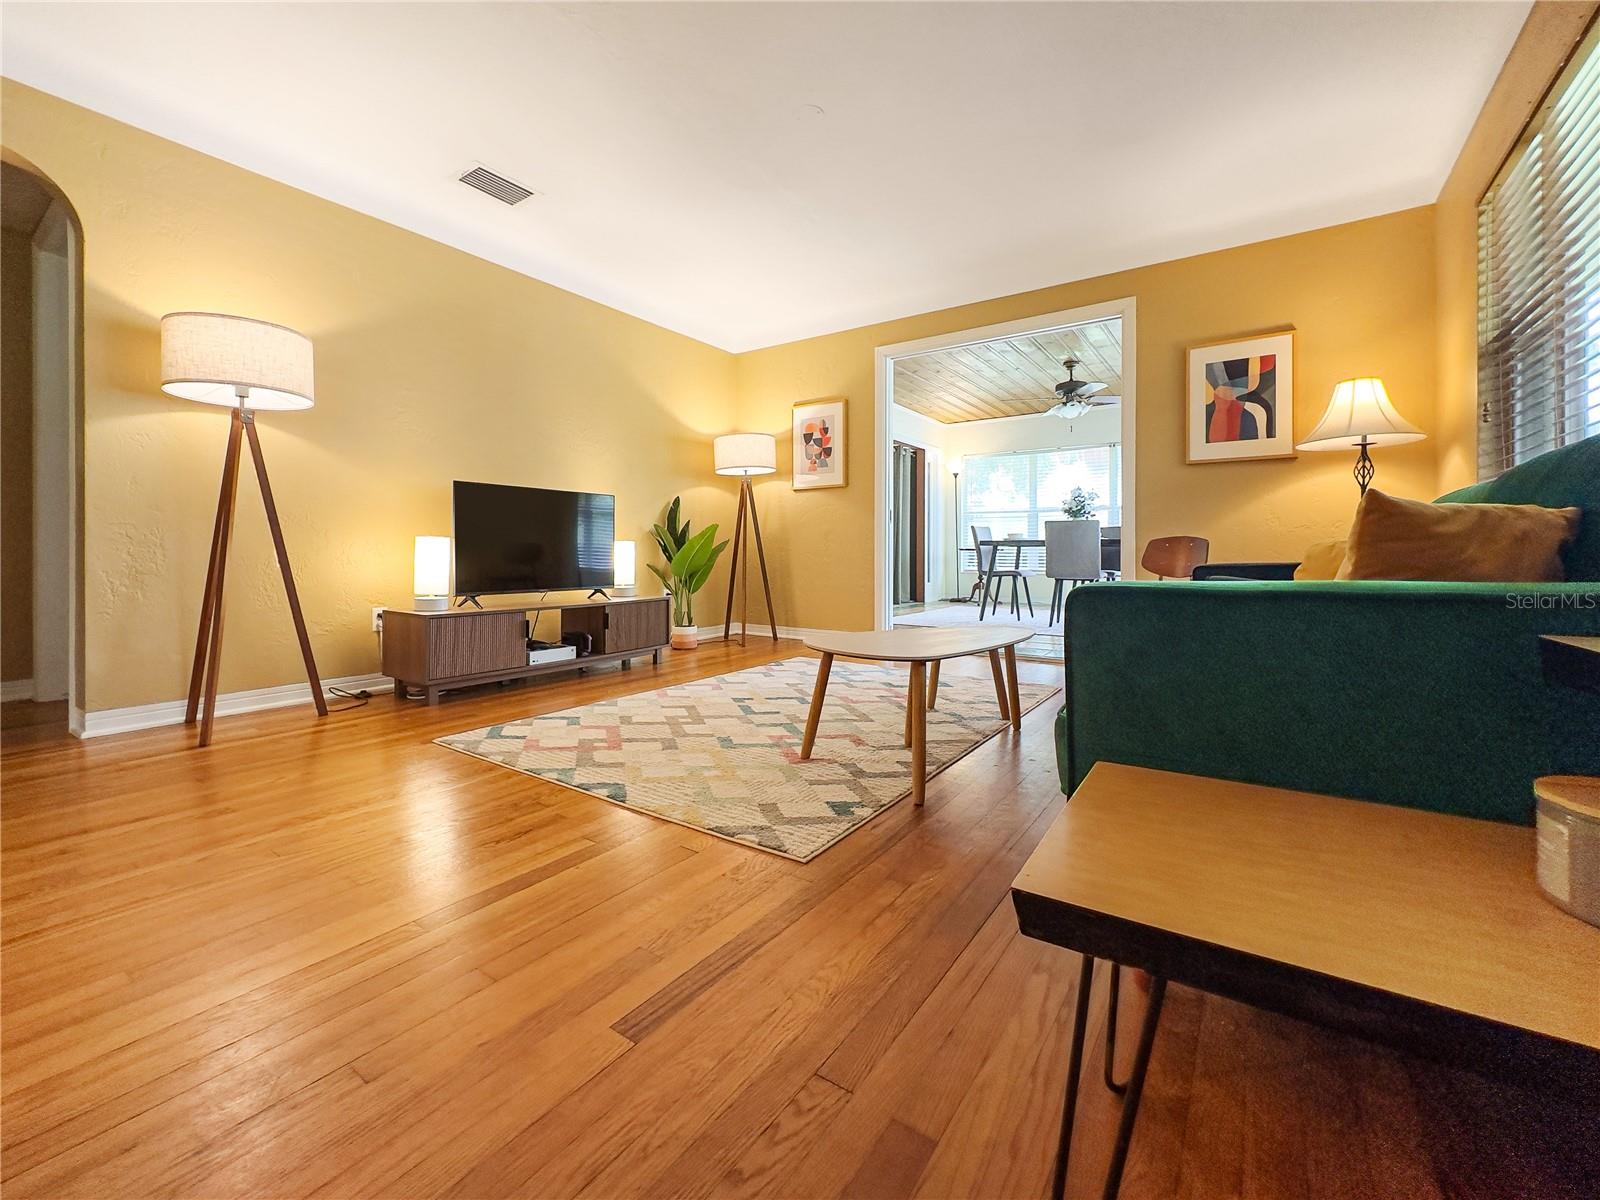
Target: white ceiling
(754, 173)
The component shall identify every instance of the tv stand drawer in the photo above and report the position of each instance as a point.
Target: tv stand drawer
(495, 641)
(637, 625)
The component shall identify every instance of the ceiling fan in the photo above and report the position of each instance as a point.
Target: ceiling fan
(1078, 396)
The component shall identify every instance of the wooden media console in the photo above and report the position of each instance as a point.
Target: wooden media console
(464, 647)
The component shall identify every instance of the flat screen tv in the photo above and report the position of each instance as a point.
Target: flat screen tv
(522, 539)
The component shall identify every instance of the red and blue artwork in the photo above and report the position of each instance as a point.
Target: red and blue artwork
(1244, 399)
(817, 439)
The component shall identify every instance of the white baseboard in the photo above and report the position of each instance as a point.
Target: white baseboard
(784, 631)
(16, 689)
(170, 712)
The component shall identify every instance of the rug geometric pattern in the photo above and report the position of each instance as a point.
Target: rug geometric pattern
(723, 754)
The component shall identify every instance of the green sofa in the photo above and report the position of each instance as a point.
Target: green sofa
(1429, 695)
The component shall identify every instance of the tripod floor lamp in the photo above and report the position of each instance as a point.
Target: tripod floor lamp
(246, 366)
(745, 455)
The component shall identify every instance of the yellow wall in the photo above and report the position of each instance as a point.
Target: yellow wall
(431, 365)
(1361, 297)
(16, 455)
(1547, 38)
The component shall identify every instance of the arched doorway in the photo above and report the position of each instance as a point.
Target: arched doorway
(41, 424)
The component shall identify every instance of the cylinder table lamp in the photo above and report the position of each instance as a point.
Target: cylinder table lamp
(245, 366)
(430, 574)
(624, 561)
(1360, 415)
(745, 455)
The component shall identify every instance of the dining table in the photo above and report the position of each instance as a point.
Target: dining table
(1110, 561)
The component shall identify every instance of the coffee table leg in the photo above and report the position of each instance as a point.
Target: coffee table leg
(817, 693)
(1015, 697)
(999, 685)
(906, 740)
(933, 685)
(919, 732)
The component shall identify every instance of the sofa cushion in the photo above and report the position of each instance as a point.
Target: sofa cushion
(1393, 538)
(1565, 478)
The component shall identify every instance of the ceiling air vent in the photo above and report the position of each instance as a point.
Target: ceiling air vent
(498, 186)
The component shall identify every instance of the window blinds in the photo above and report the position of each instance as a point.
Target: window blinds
(1016, 492)
(1539, 281)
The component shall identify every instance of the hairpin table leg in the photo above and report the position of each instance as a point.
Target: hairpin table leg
(1134, 1087)
(1111, 1030)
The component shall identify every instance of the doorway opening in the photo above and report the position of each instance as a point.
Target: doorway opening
(40, 407)
(1007, 463)
(910, 517)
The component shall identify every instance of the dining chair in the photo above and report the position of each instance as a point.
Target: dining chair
(1175, 557)
(1071, 555)
(991, 571)
(1110, 551)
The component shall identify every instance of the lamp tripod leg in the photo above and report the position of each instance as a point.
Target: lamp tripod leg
(733, 570)
(317, 697)
(208, 600)
(744, 567)
(761, 555)
(225, 512)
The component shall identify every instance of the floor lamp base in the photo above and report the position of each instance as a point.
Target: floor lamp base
(202, 704)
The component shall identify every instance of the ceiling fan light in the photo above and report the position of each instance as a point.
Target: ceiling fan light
(1069, 410)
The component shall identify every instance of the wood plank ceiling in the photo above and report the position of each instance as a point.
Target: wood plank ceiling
(1007, 378)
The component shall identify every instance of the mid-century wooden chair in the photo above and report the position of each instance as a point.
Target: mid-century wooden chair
(1175, 557)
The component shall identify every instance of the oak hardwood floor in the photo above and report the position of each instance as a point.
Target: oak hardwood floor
(327, 958)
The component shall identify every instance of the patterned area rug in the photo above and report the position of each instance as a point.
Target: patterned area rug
(723, 755)
(1045, 644)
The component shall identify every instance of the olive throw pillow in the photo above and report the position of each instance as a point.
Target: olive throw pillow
(1463, 543)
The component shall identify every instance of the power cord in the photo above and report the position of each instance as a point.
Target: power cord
(360, 698)
(533, 625)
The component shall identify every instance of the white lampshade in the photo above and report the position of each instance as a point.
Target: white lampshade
(624, 560)
(209, 357)
(746, 454)
(1360, 412)
(430, 572)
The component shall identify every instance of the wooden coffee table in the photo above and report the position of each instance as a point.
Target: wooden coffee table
(920, 648)
(1419, 929)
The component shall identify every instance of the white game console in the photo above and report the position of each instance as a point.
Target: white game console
(549, 654)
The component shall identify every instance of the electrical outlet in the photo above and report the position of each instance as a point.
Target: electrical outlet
(377, 618)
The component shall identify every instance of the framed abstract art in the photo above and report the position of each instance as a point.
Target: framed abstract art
(1240, 401)
(819, 443)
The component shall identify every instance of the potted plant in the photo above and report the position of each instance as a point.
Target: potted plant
(690, 558)
(1080, 505)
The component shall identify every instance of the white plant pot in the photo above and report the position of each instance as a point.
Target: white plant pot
(685, 637)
